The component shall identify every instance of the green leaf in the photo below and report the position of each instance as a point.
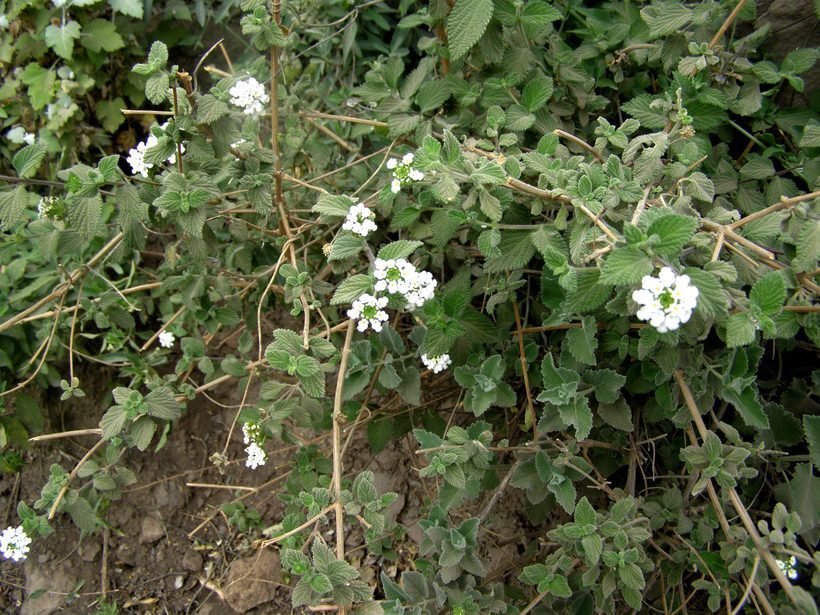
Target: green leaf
(536, 93)
(808, 246)
(320, 583)
(617, 414)
(345, 246)
(82, 513)
(631, 576)
(559, 587)
(83, 214)
(489, 204)
(673, 232)
(209, 109)
(699, 186)
(582, 342)
(40, 84)
(61, 38)
(132, 8)
(379, 433)
(101, 35)
(352, 288)
(666, 18)
(712, 298)
(142, 431)
(333, 206)
(584, 513)
(162, 404)
(466, 23)
(109, 112)
(577, 414)
(740, 330)
(516, 251)
(488, 172)
(640, 108)
(748, 406)
(157, 87)
(811, 427)
(113, 421)
(13, 207)
(625, 266)
(757, 168)
(588, 294)
(769, 293)
(593, 545)
(399, 249)
(402, 123)
(28, 160)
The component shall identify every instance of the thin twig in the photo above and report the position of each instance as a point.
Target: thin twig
(726, 24)
(530, 422)
(337, 444)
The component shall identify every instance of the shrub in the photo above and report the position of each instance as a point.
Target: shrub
(591, 227)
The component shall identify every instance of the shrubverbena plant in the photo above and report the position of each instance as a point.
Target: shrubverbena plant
(65, 68)
(598, 218)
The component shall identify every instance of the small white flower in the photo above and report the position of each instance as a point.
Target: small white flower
(14, 543)
(422, 288)
(19, 135)
(403, 172)
(393, 275)
(256, 456)
(789, 567)
(4, 22)
(438, 363)
(166, 339)
(252, 432)
(136, 155)
(250, 96)
(360, 220)
(666, 301)
(369, 311)
(46, 206)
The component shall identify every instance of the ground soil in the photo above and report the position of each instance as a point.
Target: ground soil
(169, 548)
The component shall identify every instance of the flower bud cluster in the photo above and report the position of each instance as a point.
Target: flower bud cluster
(400, 277)
(436, 364)
(360, 220)
(166, 339)
(403, 172)
(254, 438)
(48, 207)
(250, 96)
(136, 155)
(369, 311)
(666, 301)
(14, 543)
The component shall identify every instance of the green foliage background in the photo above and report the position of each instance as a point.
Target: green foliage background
(567, 151)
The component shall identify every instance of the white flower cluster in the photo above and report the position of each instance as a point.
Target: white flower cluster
(789, 567)
(46, 207)
(254, 437)
(400, 277)
(360, 220)
(166, 339)
(14, 543)
(20, 135)
(136, 155)
(666, 301)
(369, 311)
(403, 172)
(250, 96)
(437, 364)
(4, 22)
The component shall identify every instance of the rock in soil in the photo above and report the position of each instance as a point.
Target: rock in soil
(152, 530)
(252, 581)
